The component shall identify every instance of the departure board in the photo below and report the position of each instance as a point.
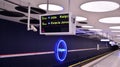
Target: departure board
(55, 23)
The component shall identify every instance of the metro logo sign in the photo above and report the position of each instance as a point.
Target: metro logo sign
(60, 50)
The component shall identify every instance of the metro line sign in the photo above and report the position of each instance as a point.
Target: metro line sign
(61, 50)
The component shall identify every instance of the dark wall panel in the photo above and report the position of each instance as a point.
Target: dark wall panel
(14, 39)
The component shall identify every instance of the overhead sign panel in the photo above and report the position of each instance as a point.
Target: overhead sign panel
(57, 24)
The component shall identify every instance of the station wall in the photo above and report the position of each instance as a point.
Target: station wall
(15, 39)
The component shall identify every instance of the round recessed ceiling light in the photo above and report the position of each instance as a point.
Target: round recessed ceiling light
(115, 27)
(110, 20)
(78, 18)
(99, 6)
(51, 7)
(116, 31)
(87, 26)
(95, 29)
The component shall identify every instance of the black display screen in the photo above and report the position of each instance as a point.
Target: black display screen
(55, 23)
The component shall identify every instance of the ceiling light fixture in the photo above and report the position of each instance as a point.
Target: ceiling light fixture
(78, 18)
(100, 6)
(110, 20)
(115, 27)
(105, 40)
(116, 31)
(118, 35)
(95, 29)
(51, 7)
(87, 26)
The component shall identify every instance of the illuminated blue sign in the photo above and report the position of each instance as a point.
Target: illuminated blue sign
(60, 50)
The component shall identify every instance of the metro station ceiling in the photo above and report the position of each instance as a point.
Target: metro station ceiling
(16, 10)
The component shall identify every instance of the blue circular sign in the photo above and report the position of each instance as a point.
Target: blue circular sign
(61, 50)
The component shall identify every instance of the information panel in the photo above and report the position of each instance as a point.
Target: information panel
(56, 24)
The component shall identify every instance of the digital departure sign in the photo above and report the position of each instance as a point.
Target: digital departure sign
(51, 24)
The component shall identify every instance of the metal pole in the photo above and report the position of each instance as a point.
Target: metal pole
(47, 6)
(28, 24)
(68, 5)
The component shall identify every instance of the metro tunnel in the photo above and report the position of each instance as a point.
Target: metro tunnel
(34, 36)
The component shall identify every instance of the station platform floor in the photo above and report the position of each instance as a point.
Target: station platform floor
(112, 60)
